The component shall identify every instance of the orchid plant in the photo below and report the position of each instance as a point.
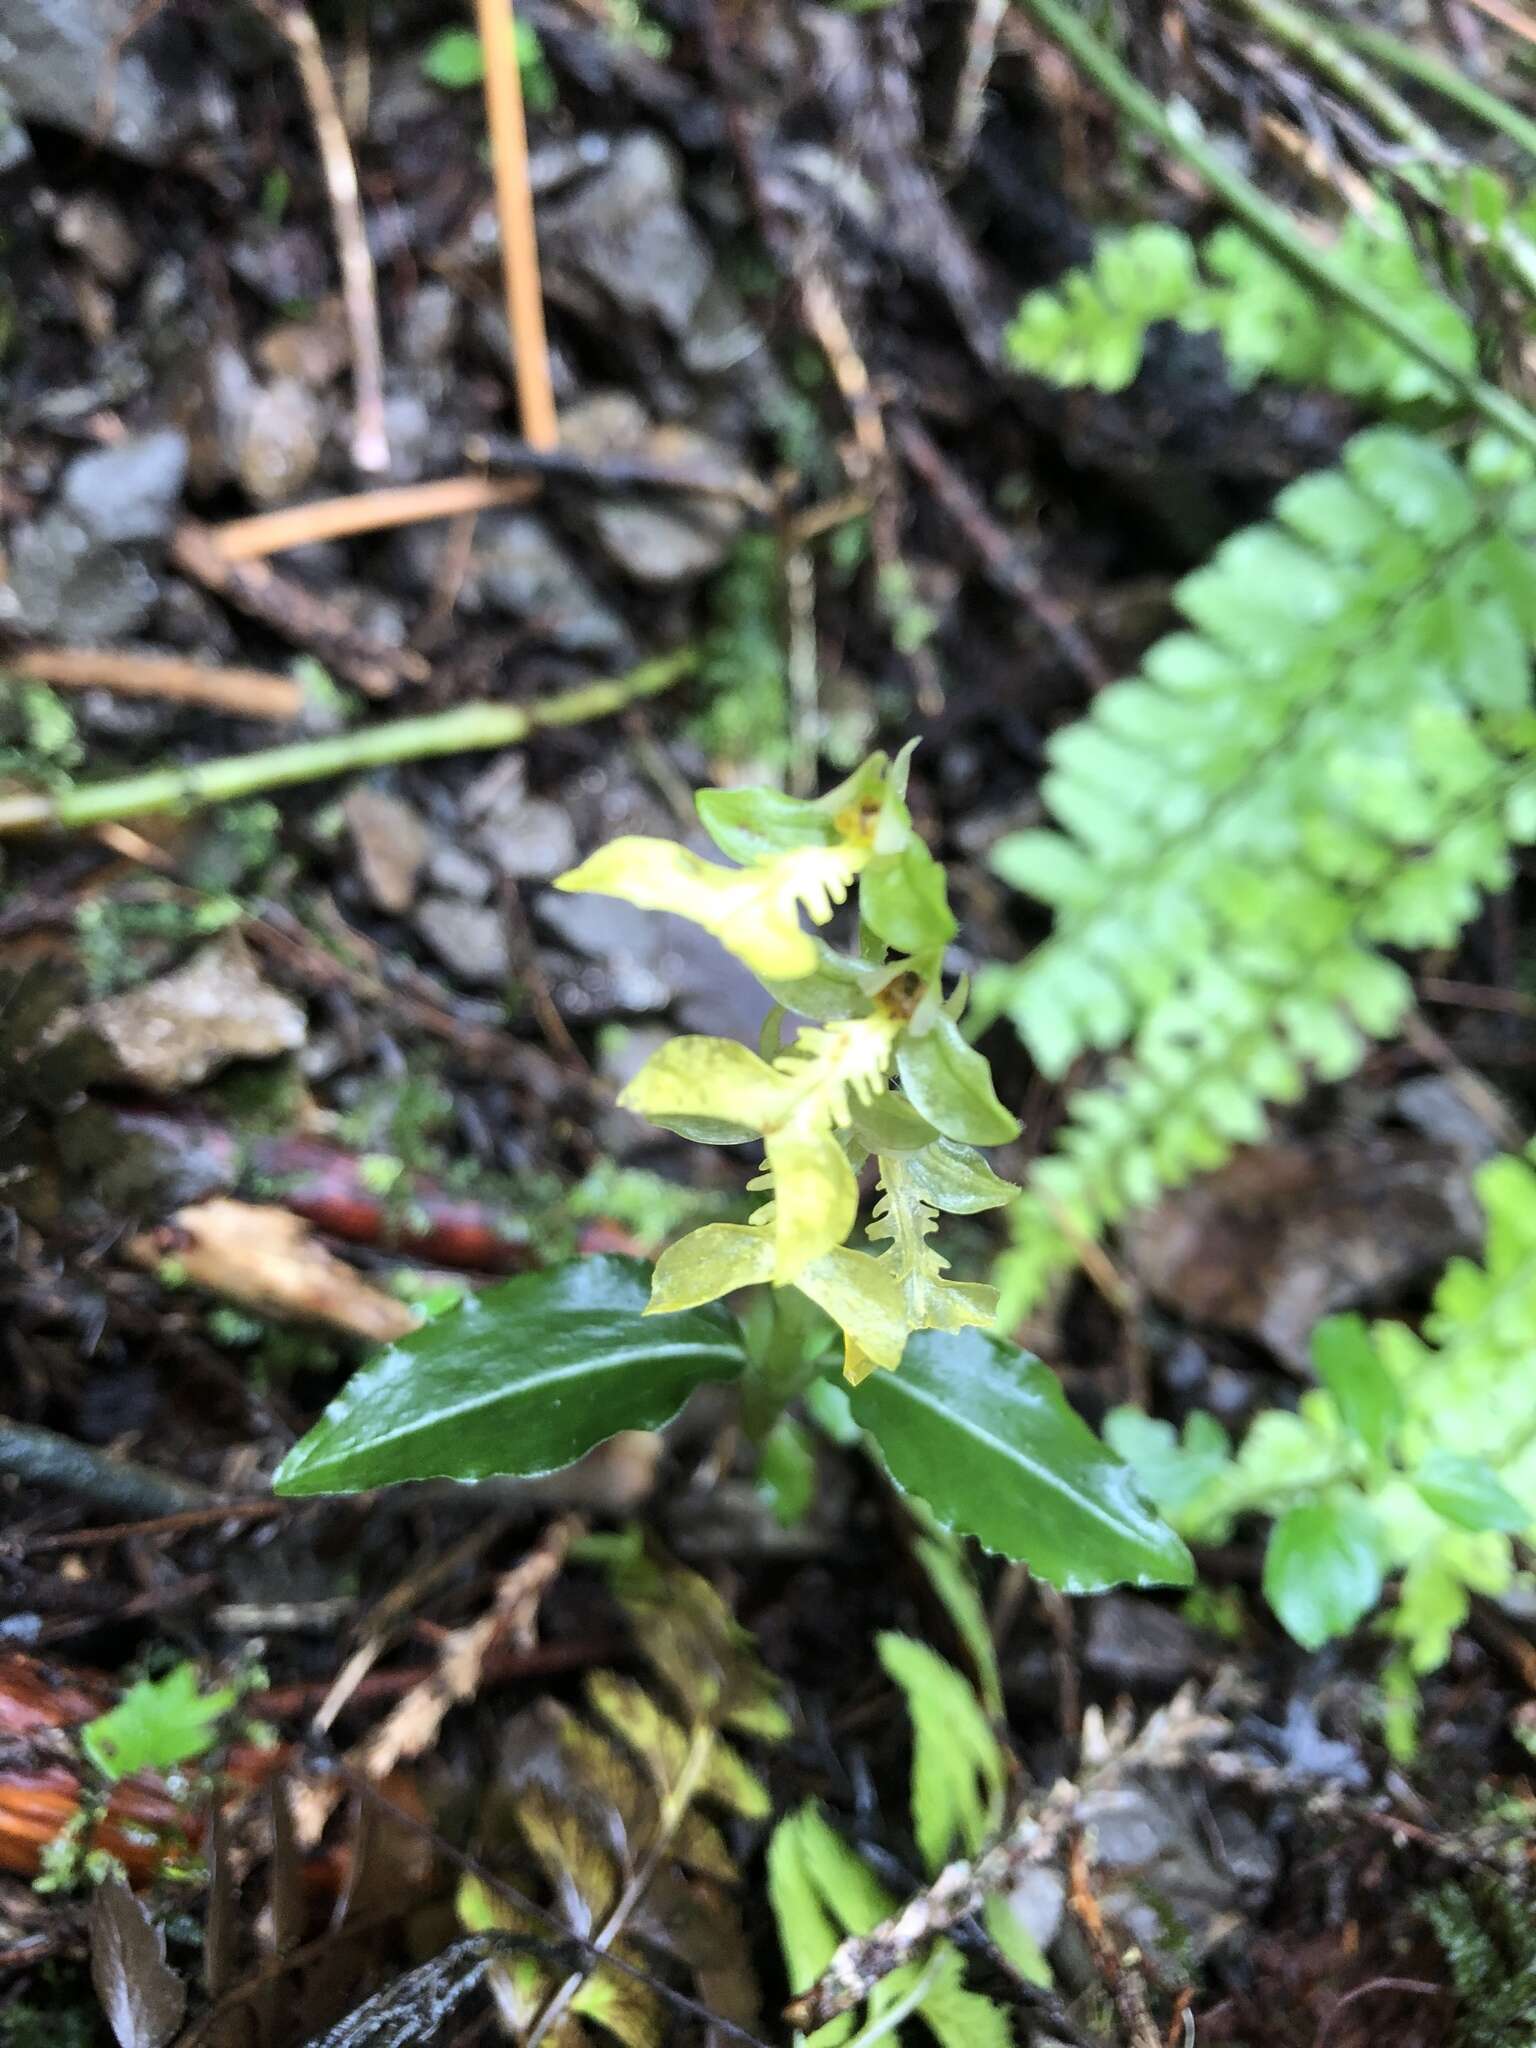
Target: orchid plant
(877, 1076)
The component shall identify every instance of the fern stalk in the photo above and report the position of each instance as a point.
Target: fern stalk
(1268, 223)
(1461, 91)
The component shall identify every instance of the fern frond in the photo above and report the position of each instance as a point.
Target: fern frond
(613, 1814)
(1337, 760)
(1092, 327)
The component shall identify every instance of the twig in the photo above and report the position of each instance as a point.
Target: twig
(971, 87)
(241, 692)
(621, 471)
(469, 728)
(514, 213)
(956, 1893)
(295, 614)
(1269, 223)
(1121, 1973)
(359, 294)
(1412, 1986)
(502, 1667)
(1008, 568)
(1507, 16)
(177, 1523)
(42, 1457)
(296, 526)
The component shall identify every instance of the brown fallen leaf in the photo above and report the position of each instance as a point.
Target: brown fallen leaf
(177, 1030)
(270, 1260)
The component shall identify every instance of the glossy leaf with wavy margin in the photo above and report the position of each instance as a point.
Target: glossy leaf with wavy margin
(520, 1379)
(982, 1433)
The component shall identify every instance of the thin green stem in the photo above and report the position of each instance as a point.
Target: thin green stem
(1425, 70)
(1330, 55)
(1267, 222)
(469, 728)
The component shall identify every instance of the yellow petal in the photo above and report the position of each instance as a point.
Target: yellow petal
(754, 912)
(709, 1089)
(707, 1263)
(863, 1299)
(815, 1194)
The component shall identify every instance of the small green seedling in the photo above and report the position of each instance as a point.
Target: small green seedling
(158, 1724)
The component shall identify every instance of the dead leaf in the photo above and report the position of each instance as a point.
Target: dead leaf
(141, 1995)
(270, 1260)
(176, 1031)
(1290, 1232)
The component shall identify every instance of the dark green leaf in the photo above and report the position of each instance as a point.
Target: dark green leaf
(1348, 1366)
(1468, 1492)
(981, 1431)
(521, 1379)
(950, 1083)
(904, 898)
(1322, 1570)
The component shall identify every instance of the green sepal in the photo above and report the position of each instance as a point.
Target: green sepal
(950, 1083)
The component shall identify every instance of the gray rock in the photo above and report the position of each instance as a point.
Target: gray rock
(458, 873)
(467, 937)
(626, 233)
(1170, 1855)
(96, 230)
(431, 326)
(280, 435)
(654, 544)
(15, 145)
(654, 540)
(527, 840)
(62, 578)
(130, 492)
(65, 62)
(644, 961)
(172, 1033)
(1133, 1642)
(520, 569)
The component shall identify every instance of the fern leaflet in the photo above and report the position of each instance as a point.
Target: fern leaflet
(1337, 759)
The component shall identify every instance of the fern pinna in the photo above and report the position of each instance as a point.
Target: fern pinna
(1335, 759)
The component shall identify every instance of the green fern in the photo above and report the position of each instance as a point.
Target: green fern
(1092, 327)
(1417, 1455)
(611, 1811)
(1336, 759)
(1489, 1937)
(821, 1890)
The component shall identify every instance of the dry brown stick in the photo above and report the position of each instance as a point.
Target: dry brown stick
(514, 213)
(959, 1891)
(241, 692)
(359, 292)
(295, 614)
(1121, 1973)
(622, 470)
(296, 526)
